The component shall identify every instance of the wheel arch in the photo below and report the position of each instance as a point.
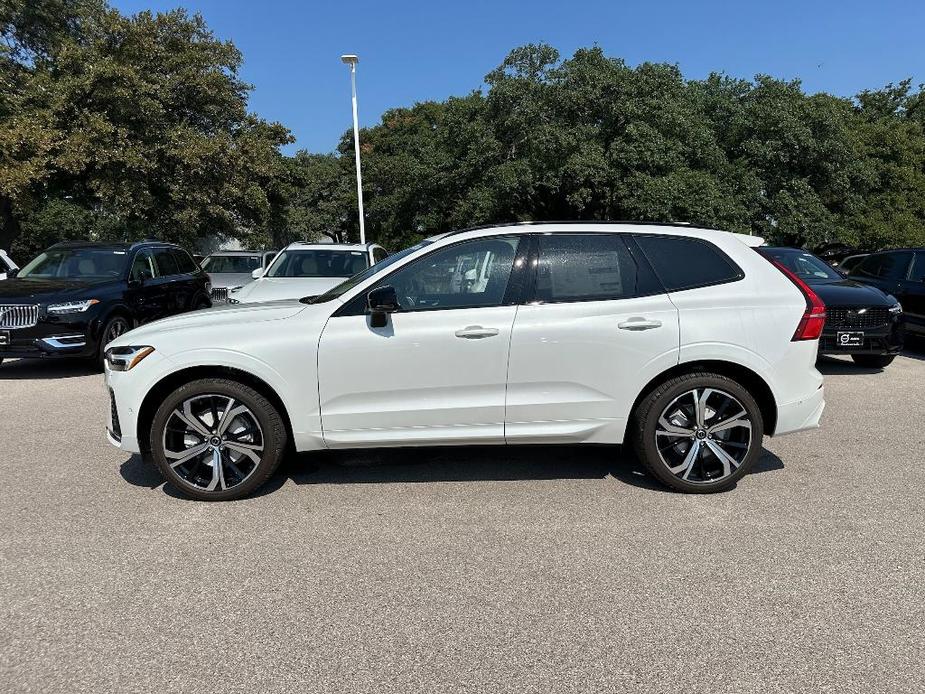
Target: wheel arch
(748, 378)
(175, 379)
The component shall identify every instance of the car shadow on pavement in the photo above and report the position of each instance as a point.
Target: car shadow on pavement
(447, 464)
(34, 369)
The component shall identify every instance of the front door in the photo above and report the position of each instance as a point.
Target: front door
(911, 294)
(597, 326)
(147, 293)
(436, 372)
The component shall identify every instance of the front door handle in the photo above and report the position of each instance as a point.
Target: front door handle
(639, 324)
(476, 332)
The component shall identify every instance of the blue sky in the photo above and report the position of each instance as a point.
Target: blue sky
(415, 51)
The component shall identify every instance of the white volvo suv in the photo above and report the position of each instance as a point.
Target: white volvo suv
(684, 342)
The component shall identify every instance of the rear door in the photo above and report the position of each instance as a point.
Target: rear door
(188, 284)
(884, 270)
(596, 326)
(169, 275)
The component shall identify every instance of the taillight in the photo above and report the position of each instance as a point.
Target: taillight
(810, 326)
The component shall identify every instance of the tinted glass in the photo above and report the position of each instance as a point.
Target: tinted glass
(884, 266)
(231, 264)
(467, 275)
(142, 265)
(802, 264)
(685, 263)
(185, 263)
(318, 263)
(165, 263)
(90, 264)
(587, 267)
(918, 268)
(379, 254)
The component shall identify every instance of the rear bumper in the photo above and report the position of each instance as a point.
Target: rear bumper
(801, 415)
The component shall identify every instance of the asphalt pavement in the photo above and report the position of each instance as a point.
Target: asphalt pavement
(449, 570)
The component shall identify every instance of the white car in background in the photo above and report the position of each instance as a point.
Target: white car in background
(684, 342)
(307, 269)
(6, 265)
(233, 269)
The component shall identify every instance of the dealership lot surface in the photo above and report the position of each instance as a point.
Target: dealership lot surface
(465, 570)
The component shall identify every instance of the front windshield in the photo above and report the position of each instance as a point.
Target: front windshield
(804, 265)
(318, 263)
(91, 264)
(231, 264)
(349, 284)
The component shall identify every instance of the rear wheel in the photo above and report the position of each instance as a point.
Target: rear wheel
(217, 439)
(698, 432)
(873, 361)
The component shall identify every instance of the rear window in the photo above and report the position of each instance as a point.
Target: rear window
(588, 267)
(686, 263)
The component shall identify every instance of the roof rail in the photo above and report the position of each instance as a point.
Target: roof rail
(580, 221)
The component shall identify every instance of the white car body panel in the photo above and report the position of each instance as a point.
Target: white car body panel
(552, 373)
(278, 288)
(415, 380)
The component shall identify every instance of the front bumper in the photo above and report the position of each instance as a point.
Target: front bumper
(885, 339)
(51, 337)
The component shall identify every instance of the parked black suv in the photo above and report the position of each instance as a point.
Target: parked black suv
(75, 297)
(900, 272)
(861, 320)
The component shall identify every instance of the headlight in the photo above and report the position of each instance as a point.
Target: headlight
(72, 306)
(125, 358)
(896, 308)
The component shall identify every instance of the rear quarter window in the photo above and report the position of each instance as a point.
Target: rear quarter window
(686, 263)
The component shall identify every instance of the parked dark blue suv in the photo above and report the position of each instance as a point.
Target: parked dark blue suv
(75, 297)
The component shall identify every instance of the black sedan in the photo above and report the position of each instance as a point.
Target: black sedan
(75, 297)
(861, 320)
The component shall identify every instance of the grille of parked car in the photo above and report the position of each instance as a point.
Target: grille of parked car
(18, 315)
(856, 317)
(219, 295)
(115, 427)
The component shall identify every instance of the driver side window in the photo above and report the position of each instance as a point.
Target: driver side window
(142, 266)
(471, 274)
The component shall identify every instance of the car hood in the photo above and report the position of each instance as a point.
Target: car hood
(230, 279)
(847, 292)
(224, 315)
(275, 288)
(27, 290)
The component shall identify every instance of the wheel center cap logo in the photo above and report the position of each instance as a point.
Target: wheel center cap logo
(215, 441)
(701, 434)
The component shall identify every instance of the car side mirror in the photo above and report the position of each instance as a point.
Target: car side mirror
(143, 276)
(257, 274)
(382, 301)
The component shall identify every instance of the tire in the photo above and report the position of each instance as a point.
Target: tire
(113, 328)
(200, 303)
(873, 361)
(703, 470)
(250, 445)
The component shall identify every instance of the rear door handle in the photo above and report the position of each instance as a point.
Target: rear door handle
(639, 324)
(476, 332)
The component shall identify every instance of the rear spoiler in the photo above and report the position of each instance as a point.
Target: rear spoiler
(751, 241)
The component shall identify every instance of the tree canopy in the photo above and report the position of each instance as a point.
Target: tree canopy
(116, 126)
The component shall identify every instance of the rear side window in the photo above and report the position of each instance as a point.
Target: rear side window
(686, 263)
(166, 265)
(185, 264)
(588, 267)
(884, 266)
(918, 268)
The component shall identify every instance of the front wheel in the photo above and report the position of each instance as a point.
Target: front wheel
(698, 432)
(873, 361)
(115, 327)
(217, 439)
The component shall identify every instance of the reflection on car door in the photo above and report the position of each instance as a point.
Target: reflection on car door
(437, 370)
(596, 321)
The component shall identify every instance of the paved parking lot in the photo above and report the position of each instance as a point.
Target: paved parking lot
(524, 570)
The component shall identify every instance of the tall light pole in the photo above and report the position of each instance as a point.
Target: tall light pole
(352, 61)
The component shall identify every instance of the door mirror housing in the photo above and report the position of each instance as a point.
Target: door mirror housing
(382, 301)
(143, 276)
(257, 274)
